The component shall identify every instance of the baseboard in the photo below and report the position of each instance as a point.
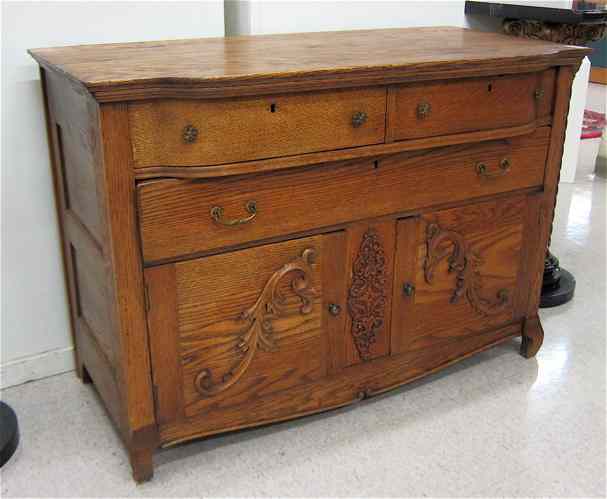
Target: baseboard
(24, 369)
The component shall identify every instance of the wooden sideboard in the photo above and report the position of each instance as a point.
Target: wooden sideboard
(260, 228)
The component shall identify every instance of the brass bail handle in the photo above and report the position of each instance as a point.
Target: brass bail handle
(217, 215)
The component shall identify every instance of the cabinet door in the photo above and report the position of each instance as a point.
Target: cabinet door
(456, 273)
(229, 329)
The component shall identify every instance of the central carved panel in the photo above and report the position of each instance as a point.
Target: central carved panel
(367, 295)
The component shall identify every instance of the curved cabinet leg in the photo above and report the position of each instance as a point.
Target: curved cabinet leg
(533, 337)
(142, 464)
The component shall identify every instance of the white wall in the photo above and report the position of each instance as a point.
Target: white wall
(257, 17)
(552, 4)
(35, 338)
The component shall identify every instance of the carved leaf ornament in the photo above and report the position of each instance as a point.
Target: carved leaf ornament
(441, 244)
(256, 321)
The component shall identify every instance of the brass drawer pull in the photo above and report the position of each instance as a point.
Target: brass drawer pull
(359, 118)
(481, 169)
(539, 93)
(190, 134)
(423, 110)
(217, 215)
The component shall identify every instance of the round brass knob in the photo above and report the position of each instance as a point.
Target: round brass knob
(359, 118)
(190, 134)
(423, 110)
(408, 289)
(334, 309)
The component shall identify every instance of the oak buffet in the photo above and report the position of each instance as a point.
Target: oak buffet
(260, 228)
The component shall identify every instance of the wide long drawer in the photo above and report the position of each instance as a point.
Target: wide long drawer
(184, 217)
(191, 133)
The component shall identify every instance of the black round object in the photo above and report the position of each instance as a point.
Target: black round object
(558, 285)
(9, 433)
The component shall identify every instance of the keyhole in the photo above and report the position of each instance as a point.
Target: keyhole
(376, 164)
(272, 108)
(489, 87)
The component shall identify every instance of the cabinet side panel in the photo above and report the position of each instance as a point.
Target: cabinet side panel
(74, 142)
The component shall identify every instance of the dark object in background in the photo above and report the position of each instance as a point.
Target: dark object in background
(580, 12)
(9, 433)
(558, 285)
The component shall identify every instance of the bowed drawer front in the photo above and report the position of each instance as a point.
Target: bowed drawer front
(260, 228)
(441, 108)
(190, 133)
(181, 217)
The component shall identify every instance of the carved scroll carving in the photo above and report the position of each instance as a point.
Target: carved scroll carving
(256, 321)
(441, 244)
(367, 295)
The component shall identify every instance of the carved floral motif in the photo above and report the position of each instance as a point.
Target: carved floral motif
(441, 244)
(256, 321)
(367, 296)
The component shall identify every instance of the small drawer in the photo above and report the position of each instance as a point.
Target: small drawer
(442, 108)
(211, 132)
(184, 217)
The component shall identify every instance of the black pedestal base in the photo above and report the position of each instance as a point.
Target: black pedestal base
(9, 433)
(558, 285)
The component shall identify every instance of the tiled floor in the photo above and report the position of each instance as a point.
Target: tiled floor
(493, 425)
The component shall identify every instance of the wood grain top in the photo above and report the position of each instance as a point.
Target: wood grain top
(261, 64)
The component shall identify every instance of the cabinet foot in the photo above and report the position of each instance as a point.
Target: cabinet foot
(533, 337)
(142, 464)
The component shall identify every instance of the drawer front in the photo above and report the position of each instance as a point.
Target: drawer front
(198, 133)
(230, 329)
(181, 217)
(441, 108)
